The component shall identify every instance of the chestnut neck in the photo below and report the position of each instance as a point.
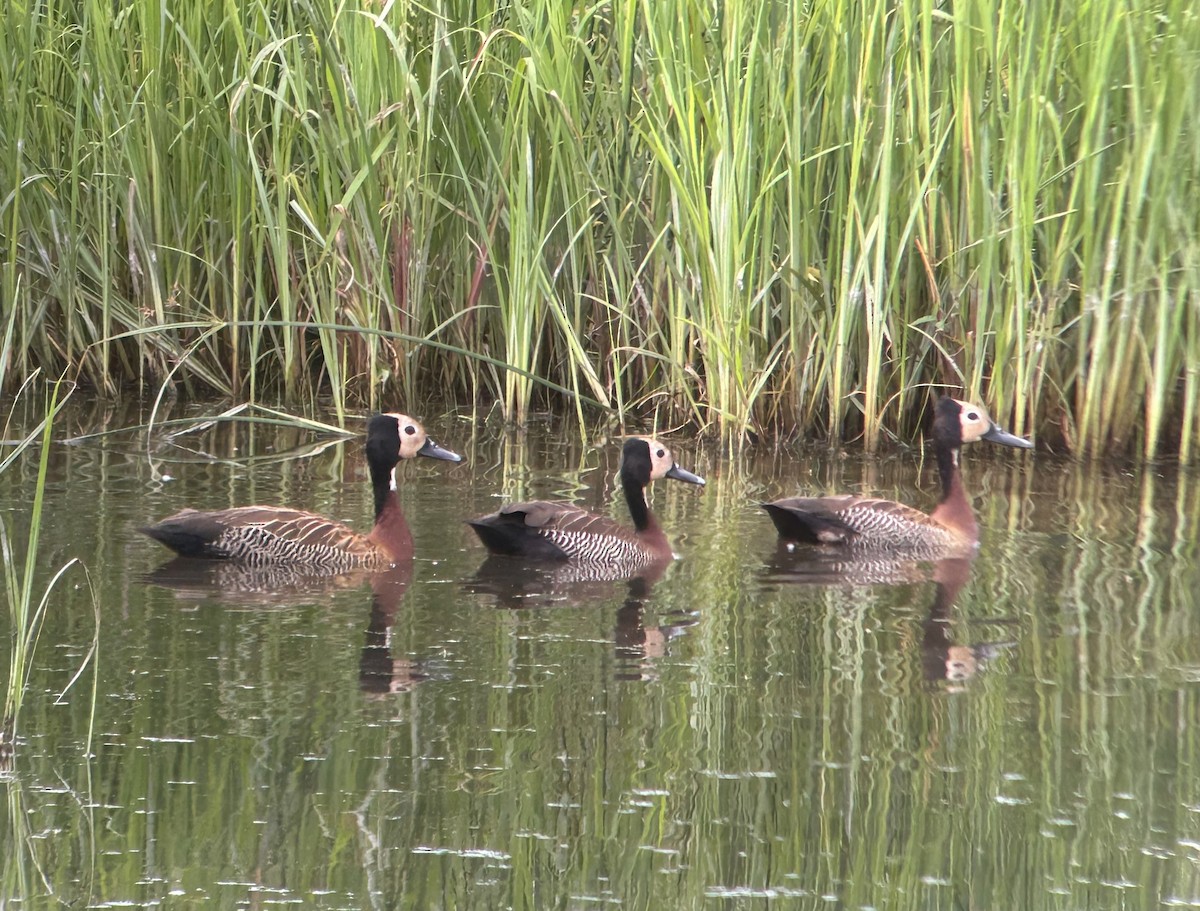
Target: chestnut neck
(390, 530)
(954, 510)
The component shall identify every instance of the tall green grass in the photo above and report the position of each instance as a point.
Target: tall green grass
(772, 216)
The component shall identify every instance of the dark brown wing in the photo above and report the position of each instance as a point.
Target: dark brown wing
(261, 535)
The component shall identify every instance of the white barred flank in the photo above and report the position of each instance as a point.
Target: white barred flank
(604, 549)
(582, 536)
(260, 545)
(903, 527)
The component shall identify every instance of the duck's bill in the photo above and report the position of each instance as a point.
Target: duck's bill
(680, 474)
(432, 450)
(1004, 438)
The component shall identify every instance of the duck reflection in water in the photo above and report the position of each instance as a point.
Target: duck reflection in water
(636, 644)
(942, 658)
(380, 674)
(824, 566)
(237, 585)
(637, 647)
(534, 583)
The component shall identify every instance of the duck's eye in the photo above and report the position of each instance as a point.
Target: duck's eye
(660, 453)
(972, 416)
(410, 429)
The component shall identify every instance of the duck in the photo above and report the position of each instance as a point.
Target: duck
(555, 531)
(275, 535)
(866, 523)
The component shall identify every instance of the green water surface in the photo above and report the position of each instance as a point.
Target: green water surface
(1020, 732)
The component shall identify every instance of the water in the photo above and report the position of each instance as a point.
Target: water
(1020, 732)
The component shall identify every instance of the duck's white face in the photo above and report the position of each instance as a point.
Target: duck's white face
(662, 464)
(978, 425)
(661, 460)
(412, 435)
(415, 442)
(974, 420)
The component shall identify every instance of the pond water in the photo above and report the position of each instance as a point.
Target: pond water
(1017, 733)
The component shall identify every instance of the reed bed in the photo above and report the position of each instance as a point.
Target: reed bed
(777, 217)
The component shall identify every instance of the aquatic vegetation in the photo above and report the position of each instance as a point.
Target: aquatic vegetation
(28, 586)
(22, 575)
(774, 216)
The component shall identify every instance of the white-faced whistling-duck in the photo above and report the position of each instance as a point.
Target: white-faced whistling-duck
(560, 531)
(861, 522)
(265, 535)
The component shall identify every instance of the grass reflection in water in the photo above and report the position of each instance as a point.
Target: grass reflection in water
(719, 735)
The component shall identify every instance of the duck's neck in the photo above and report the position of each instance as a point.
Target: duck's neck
(635, 496)
(390, 531)
(652, 540)
(383, 485)
(954, 510)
